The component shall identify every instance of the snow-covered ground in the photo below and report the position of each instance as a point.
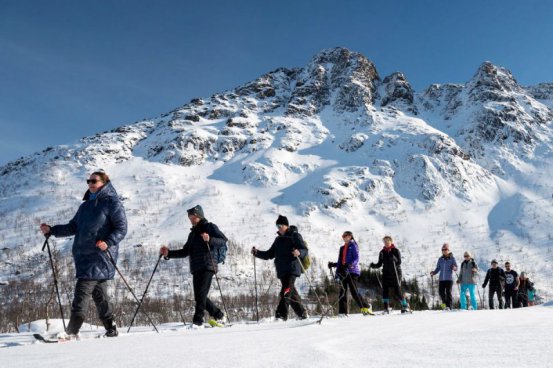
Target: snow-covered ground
(490, 338)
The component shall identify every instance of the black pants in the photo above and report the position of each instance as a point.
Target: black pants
(201, 282)
(289, 297)
(349, 281)
(496, 289)
(79, 307)
(444, 288)
(511, 300)
(522, 299)
(386, 286)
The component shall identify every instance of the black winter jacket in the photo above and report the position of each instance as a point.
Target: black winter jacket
(496, 277)
(390, 261)
(281, 251)
(197, 249)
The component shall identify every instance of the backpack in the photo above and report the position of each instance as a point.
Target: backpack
(305, 261)
(220, 254)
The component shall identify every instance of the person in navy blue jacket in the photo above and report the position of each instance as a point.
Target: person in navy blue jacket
(286, 250)
(347, 273)
(99, 225)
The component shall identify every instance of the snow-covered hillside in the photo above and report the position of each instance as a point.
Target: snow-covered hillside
(332, 145)
(501, 338)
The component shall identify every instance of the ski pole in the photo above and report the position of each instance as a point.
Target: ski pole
(341, 288)
(480, 297)
(356, 290)
(47, 245)
(144, 294)
(129, 287)
(433, 291)
(398, 281)
(323, 313)
(217, 279)
(459, 289)
(255, 285)
(378, 279)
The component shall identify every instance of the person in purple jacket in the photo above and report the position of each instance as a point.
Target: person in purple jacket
(347, 273)
(445, 266)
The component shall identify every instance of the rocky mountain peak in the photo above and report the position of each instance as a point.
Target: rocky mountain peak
(491, 82)
(338, 77)
(397, 91)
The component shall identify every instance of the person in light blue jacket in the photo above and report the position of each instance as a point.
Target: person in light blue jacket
(445, 267)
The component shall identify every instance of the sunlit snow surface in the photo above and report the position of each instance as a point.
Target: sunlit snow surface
(515, 338)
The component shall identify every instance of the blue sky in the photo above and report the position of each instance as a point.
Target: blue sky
(69, 69)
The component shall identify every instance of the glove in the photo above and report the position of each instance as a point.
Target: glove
(254, 251)
(483, 286)
(372, 265)
(331, 264)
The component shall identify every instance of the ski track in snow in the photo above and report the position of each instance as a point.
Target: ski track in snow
(517, 338)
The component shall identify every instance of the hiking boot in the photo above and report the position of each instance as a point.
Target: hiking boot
(64, 336)
(304, 315)
(220, 317)
(111, 328)
(112, 332)
(195, 326)
(343, 315)
(367, 311)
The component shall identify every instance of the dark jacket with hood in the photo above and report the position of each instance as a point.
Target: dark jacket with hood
(281, 251)
(390, 261)
(102, 218)
(196, 248)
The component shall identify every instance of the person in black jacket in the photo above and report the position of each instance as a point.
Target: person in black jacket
(512, 283)
(286, 249)
(389, 259)
(496, 277)
(99, 226)
(202, 263)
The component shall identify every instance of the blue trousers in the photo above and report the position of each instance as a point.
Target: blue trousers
(470, 288)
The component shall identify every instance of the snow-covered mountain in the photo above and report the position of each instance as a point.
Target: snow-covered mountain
(332, 145)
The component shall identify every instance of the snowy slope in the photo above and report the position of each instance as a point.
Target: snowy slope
(519, 337)
(332, 145)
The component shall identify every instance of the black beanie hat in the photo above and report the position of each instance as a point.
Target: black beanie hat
(197, 210)
(282, 220)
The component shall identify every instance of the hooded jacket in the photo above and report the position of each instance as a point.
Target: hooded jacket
(102, 218)
(196, 248)
(281, 252)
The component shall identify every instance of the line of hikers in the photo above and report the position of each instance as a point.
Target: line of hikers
(518, 290)
(100, 224)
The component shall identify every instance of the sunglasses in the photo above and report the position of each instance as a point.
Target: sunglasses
(466, 256)
(92, 181)
(443, 250)
(280, 225)
(345, 235)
